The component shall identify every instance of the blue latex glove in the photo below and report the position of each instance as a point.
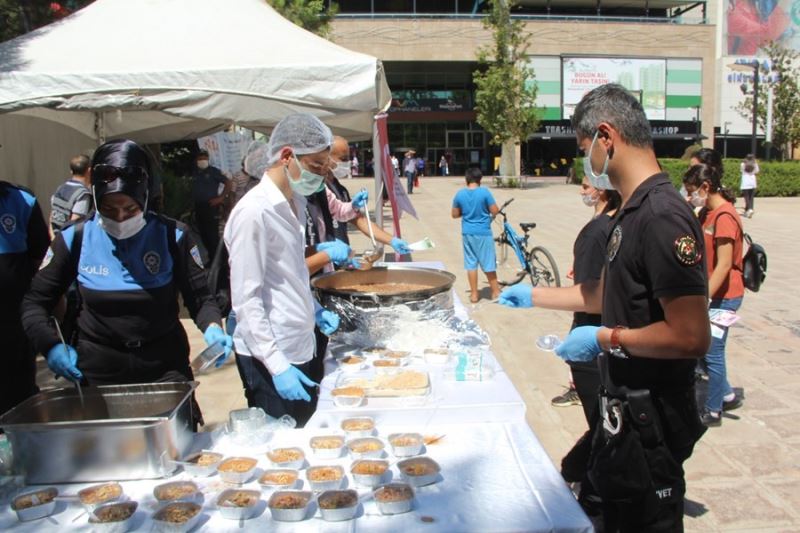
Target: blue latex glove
(354, 264)
(518, 295)
(63, 360)
(328, 321)
(214, 334)
(360, 199)
(400, 246)
(580, 345)
(289, 384)
(337, 250)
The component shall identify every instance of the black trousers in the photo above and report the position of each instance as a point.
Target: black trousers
(207, 219)
(18, 377)
(259, 389)
(748, 195)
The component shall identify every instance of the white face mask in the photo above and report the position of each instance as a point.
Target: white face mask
(308, 183)
(125, 229)
(698, 201)
(590, 200)
(599, 181)
(202, 164)
(342, 170)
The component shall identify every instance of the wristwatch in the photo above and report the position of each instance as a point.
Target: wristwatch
(616, 348)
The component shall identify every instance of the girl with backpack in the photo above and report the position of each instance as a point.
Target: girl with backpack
(722, 229)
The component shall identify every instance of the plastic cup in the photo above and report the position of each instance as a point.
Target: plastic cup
(548, 343)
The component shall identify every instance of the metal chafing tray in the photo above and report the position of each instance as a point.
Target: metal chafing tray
(119, 432)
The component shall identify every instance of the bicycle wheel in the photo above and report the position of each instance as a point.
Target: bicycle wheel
(543, 268)
(509, 271)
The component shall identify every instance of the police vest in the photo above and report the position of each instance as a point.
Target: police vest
(62, 202)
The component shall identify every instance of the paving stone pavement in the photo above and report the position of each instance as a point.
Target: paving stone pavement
(744, 475)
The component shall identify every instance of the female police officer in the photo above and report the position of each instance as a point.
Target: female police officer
(130, 265)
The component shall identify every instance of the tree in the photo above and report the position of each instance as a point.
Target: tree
(783, 78)
(21, 16)
(311, 15)
(505, 92)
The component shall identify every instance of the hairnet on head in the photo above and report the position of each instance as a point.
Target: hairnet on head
(302, 132)
(122, 153)
(256, 160)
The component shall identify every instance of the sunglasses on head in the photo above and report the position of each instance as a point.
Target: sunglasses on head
(108, 173)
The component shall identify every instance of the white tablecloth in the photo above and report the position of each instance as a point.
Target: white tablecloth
(494, 477)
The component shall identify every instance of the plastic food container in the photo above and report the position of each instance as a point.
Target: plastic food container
(338, 505)
(325, 477)
(289, 505)
(436, 356)
(96, 495)
(292, 458)
(202, 464)
(419, 471)
(327, 447)
(177, 517)
(369, 472)
(114, 517)
(177, 491)
(208, 357)
(352, 363)
(274, 479)
(355, 428)
(394, 498)
(365, 448)
(237, 470)
(36, 504)
(238, 504)
(347, 396)
(406, 444)
(247, 420)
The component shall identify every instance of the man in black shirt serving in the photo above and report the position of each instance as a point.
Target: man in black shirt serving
(652, 298)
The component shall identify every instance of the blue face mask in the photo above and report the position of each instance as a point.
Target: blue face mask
(308, 183)
(598, 181)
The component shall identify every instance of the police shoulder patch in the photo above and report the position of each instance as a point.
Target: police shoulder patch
(195, 253)
(687, 251)
(152, 261)
(614, 243)
(9, 222)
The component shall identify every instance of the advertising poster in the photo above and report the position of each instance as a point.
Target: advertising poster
(748, 24)
(646, 78)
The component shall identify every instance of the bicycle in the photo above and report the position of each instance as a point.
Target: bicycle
(537, 263)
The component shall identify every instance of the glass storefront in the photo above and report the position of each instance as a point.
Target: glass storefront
(463, 144)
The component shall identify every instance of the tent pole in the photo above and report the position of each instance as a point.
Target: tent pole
(100, 127)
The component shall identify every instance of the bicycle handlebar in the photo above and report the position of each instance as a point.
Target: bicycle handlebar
(506, 204)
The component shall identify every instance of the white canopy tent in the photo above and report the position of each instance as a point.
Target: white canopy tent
(165, 70)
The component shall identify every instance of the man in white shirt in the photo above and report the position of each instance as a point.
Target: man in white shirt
(270, 293)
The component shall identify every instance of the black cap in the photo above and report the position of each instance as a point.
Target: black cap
(202, 153)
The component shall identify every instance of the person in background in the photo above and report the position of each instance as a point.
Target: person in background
(410, 170)
(343, 211)
(395, 166)
(652, 297)
(476, 208)
(749, 169)
(130, 265)
(275, 309)
(208, 200)
(443, 170)
(589, 256)
(72, 200)
(724, 240)
(420, 170)
(354, 166)
(23, 243)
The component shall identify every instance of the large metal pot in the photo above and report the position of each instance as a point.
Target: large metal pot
(369, 318)
(436, 281)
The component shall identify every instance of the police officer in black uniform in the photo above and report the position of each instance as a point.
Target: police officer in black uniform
(23, 242)
(653, 303)
(130, 265)
(208, 201)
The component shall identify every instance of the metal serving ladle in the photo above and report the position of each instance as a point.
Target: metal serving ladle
(370, 256)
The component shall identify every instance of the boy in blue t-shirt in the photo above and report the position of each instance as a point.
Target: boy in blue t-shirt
(476, 208)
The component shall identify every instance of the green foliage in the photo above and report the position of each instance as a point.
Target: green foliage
(500, 182)
(785, 85)
(505, 94)
(776, 178)
(18, 17)
(177, 196)
(311, 15)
